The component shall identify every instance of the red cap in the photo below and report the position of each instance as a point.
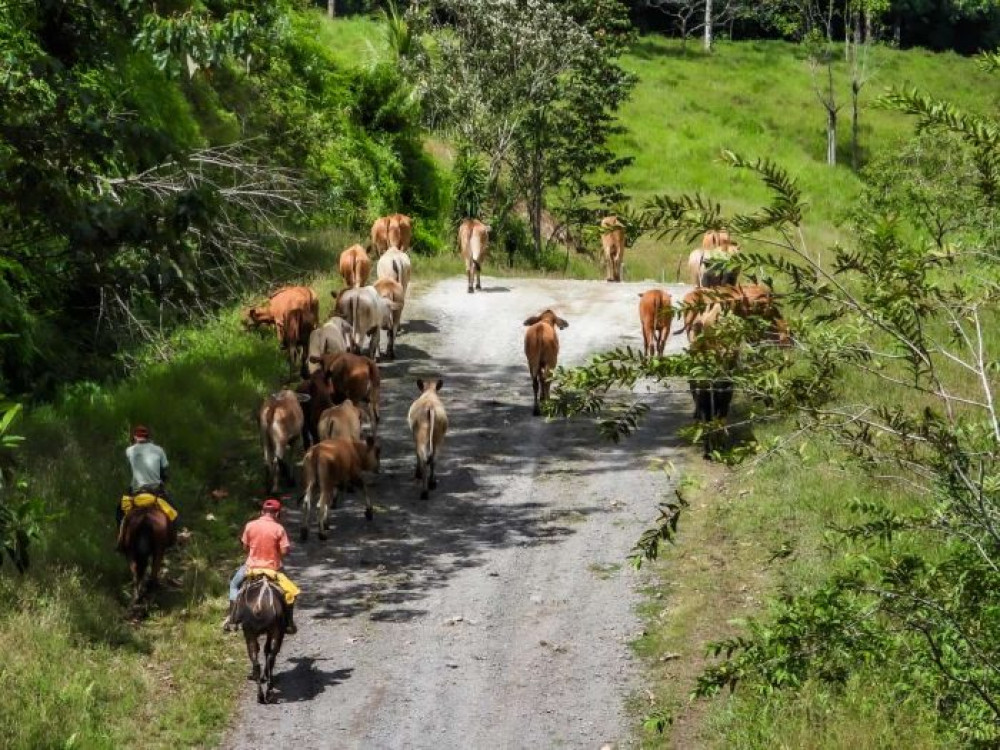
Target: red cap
(271, 504)
(140, 432)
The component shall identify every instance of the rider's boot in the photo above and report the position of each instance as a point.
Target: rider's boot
(290, 627)
(120, 543)
(229, 625)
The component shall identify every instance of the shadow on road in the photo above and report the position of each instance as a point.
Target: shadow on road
(304, 681)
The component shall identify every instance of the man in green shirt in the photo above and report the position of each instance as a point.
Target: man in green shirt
(149, 465)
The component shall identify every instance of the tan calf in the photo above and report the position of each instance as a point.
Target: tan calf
(330, 466)
(613, 245)
(340, 421)
(355, 266)
(280, 420)
(428, 423)
(395, 294)
(473, 243)
(541, 347)
(655, 313)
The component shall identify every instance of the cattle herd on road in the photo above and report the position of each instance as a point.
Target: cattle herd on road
(334, 410)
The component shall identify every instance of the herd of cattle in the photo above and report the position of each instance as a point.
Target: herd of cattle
(338, 359)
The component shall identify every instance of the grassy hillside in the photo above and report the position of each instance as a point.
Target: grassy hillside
(754, 98)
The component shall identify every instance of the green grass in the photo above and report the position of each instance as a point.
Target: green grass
(756, 99)
(76, 670)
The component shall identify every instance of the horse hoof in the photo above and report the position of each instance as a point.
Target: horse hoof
(322, 536)
(369, 514)
(433, 483)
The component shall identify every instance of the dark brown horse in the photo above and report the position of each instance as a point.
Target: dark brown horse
(260, 609)
(145, 538)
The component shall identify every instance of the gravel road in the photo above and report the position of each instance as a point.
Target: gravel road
(498, 613)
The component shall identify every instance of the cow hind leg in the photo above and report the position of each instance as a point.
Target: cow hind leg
(369, 509)
(537, 411)
(323, 519)
(307, 504)
(432, 481)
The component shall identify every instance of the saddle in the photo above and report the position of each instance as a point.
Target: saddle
(276, 577)
(145, 499)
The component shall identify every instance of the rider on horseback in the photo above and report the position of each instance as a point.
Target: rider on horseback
(266, 542)
(148, 463)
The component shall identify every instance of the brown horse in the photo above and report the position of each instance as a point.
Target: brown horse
(145, 538)
(260, 609)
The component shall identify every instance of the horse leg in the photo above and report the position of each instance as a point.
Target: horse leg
(432, 482)
(253, 651)
(136, 580)
(154, 568)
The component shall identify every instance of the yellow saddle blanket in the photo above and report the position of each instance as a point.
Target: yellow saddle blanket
(143, 499)
(284, 582)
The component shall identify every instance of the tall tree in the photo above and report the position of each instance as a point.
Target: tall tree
(534, 85)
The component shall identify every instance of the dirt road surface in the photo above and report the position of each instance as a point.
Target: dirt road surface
(498, 614)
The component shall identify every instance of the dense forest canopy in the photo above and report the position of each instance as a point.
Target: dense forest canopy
(156, 158)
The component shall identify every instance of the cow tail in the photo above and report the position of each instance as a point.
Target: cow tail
(354, 321)
(430, 433)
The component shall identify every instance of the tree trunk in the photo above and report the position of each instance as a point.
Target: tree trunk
(536, 224)
(855, 146)
(708, 25)
(331, 8)
(831, 136)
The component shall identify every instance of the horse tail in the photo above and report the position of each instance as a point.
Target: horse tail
(397, 270)
(357, 271)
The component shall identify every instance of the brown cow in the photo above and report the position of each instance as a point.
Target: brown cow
(703, 306)
(613, 244)
(394, 292)
(400, 232)
(354, 377)
(294, 312)
(428, 422)
(342, 420)
(330, 466)
(473, 243)
(355, 266)
(394, 230)
(316, 394)
(655, 313)
(541, 347)
(280, 419)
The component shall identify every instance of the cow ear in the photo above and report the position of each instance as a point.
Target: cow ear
(561, 323)
(420, 385)
(439, 385)
(531, 321)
